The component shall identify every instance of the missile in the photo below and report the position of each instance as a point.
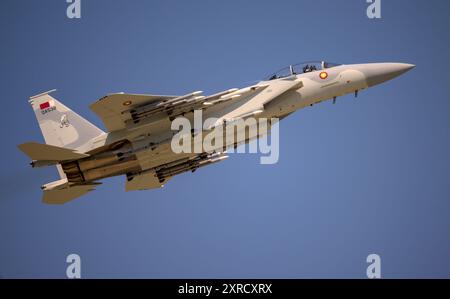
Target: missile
(188, 100)
(177, 99)
(181, 165)
(42, 163)
(183, 102)
(234, 94)
(212, 98)
(60, 184)
(190, 166)
(152, 108)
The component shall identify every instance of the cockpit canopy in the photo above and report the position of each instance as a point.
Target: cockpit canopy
(301, 68)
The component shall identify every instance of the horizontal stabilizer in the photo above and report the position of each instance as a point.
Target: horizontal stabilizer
(62, 196)
(45, 152)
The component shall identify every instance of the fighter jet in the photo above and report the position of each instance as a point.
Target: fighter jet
(137, 140)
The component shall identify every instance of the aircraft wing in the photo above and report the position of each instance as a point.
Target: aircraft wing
(112, 108)
(120, 111)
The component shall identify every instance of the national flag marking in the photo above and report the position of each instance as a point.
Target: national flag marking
(46, 105)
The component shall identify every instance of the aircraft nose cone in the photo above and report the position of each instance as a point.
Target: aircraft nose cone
(377, 73)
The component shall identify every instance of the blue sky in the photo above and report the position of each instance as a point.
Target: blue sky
(359, 177)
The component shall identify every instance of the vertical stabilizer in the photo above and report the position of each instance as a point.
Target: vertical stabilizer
(61, 126)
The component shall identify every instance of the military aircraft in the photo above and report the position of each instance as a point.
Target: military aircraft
(138, 126)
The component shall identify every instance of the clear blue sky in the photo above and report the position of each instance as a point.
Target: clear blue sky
(363, 176)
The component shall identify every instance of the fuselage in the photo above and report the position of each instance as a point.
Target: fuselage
(147, 146)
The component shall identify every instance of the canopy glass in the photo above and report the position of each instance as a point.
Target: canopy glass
(301, 68)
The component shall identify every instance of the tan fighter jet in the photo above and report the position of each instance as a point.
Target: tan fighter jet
(137, 141)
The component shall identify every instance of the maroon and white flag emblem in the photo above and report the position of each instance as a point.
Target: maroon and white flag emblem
(47, 104)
